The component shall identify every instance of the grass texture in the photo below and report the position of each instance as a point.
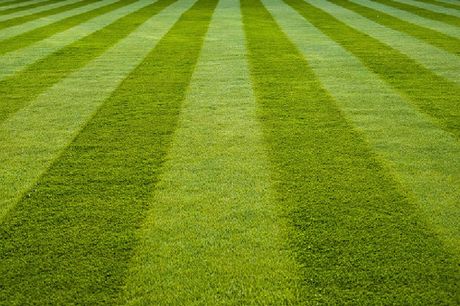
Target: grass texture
(427, 13)
(422, 157)
(443, 41)
(26, 34)
(124, 151)
(22, 88)
(213, 234)
(262, 152)
(431, 93)
(347, 212)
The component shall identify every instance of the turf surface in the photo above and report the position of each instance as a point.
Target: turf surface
(274, 152)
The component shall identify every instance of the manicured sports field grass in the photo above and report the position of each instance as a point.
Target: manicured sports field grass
(234, 152)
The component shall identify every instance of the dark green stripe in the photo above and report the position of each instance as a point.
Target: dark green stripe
(431, 93)
(28, 38)
(6, 3)
(358, 238)
(435, 38)
(422, 12)
(444, 4)
(70, 241)
(21, 88)
(24, 19)
(28, 7)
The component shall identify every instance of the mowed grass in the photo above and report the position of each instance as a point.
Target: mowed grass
(422, 12)
(73, 235)
(208, 152)
(431, 93)
(21, 88)
(435, 38)
(351, 222)
(29, 37)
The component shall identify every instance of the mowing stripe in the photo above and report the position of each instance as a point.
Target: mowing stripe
(454, 3)
(352, 226)
(49, 98)
(25, 19)
(14, 4)
(422, 12)
(213, 235)
(36, 27)
(448, 4)
(410, 21)
(18, 60)
(431, 7)
(432, 94)
(402, 136)
(26, 6)
(69, 241)
(6, 18)
(445, 64)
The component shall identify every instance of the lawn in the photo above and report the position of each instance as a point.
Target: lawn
(251, 152)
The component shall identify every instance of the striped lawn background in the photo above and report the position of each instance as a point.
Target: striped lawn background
(18, 60)
(446, 3)
(14, 4)
(77, 207)
(220, 152)
(446, 65)
(432, 94)
(42, 8)
(423, 12)
(25, 6)
(399, 133)
(28, 18)
(213, 225)
(43, 22)
(410, 18)
(434, 8)
(68, 107)
(70, 58)
(346, 205)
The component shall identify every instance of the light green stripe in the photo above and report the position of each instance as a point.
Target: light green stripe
(16, 5)
(214, 234)
(36, 10)
(412, 18)
(439, 61)
(31, 25)
(423, 157)
(35, 135)
(17, 60)
(431, 7)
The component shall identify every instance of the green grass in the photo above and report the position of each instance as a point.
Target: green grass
(29, 37)
(263, 152)
(214, 235)
(21, 88)
(423, 12)
(23, 19)
(435, 38)
(443, 4)
(116, 157)
(351, 222)
(14, 2)
(28, 7)
(431, 93)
